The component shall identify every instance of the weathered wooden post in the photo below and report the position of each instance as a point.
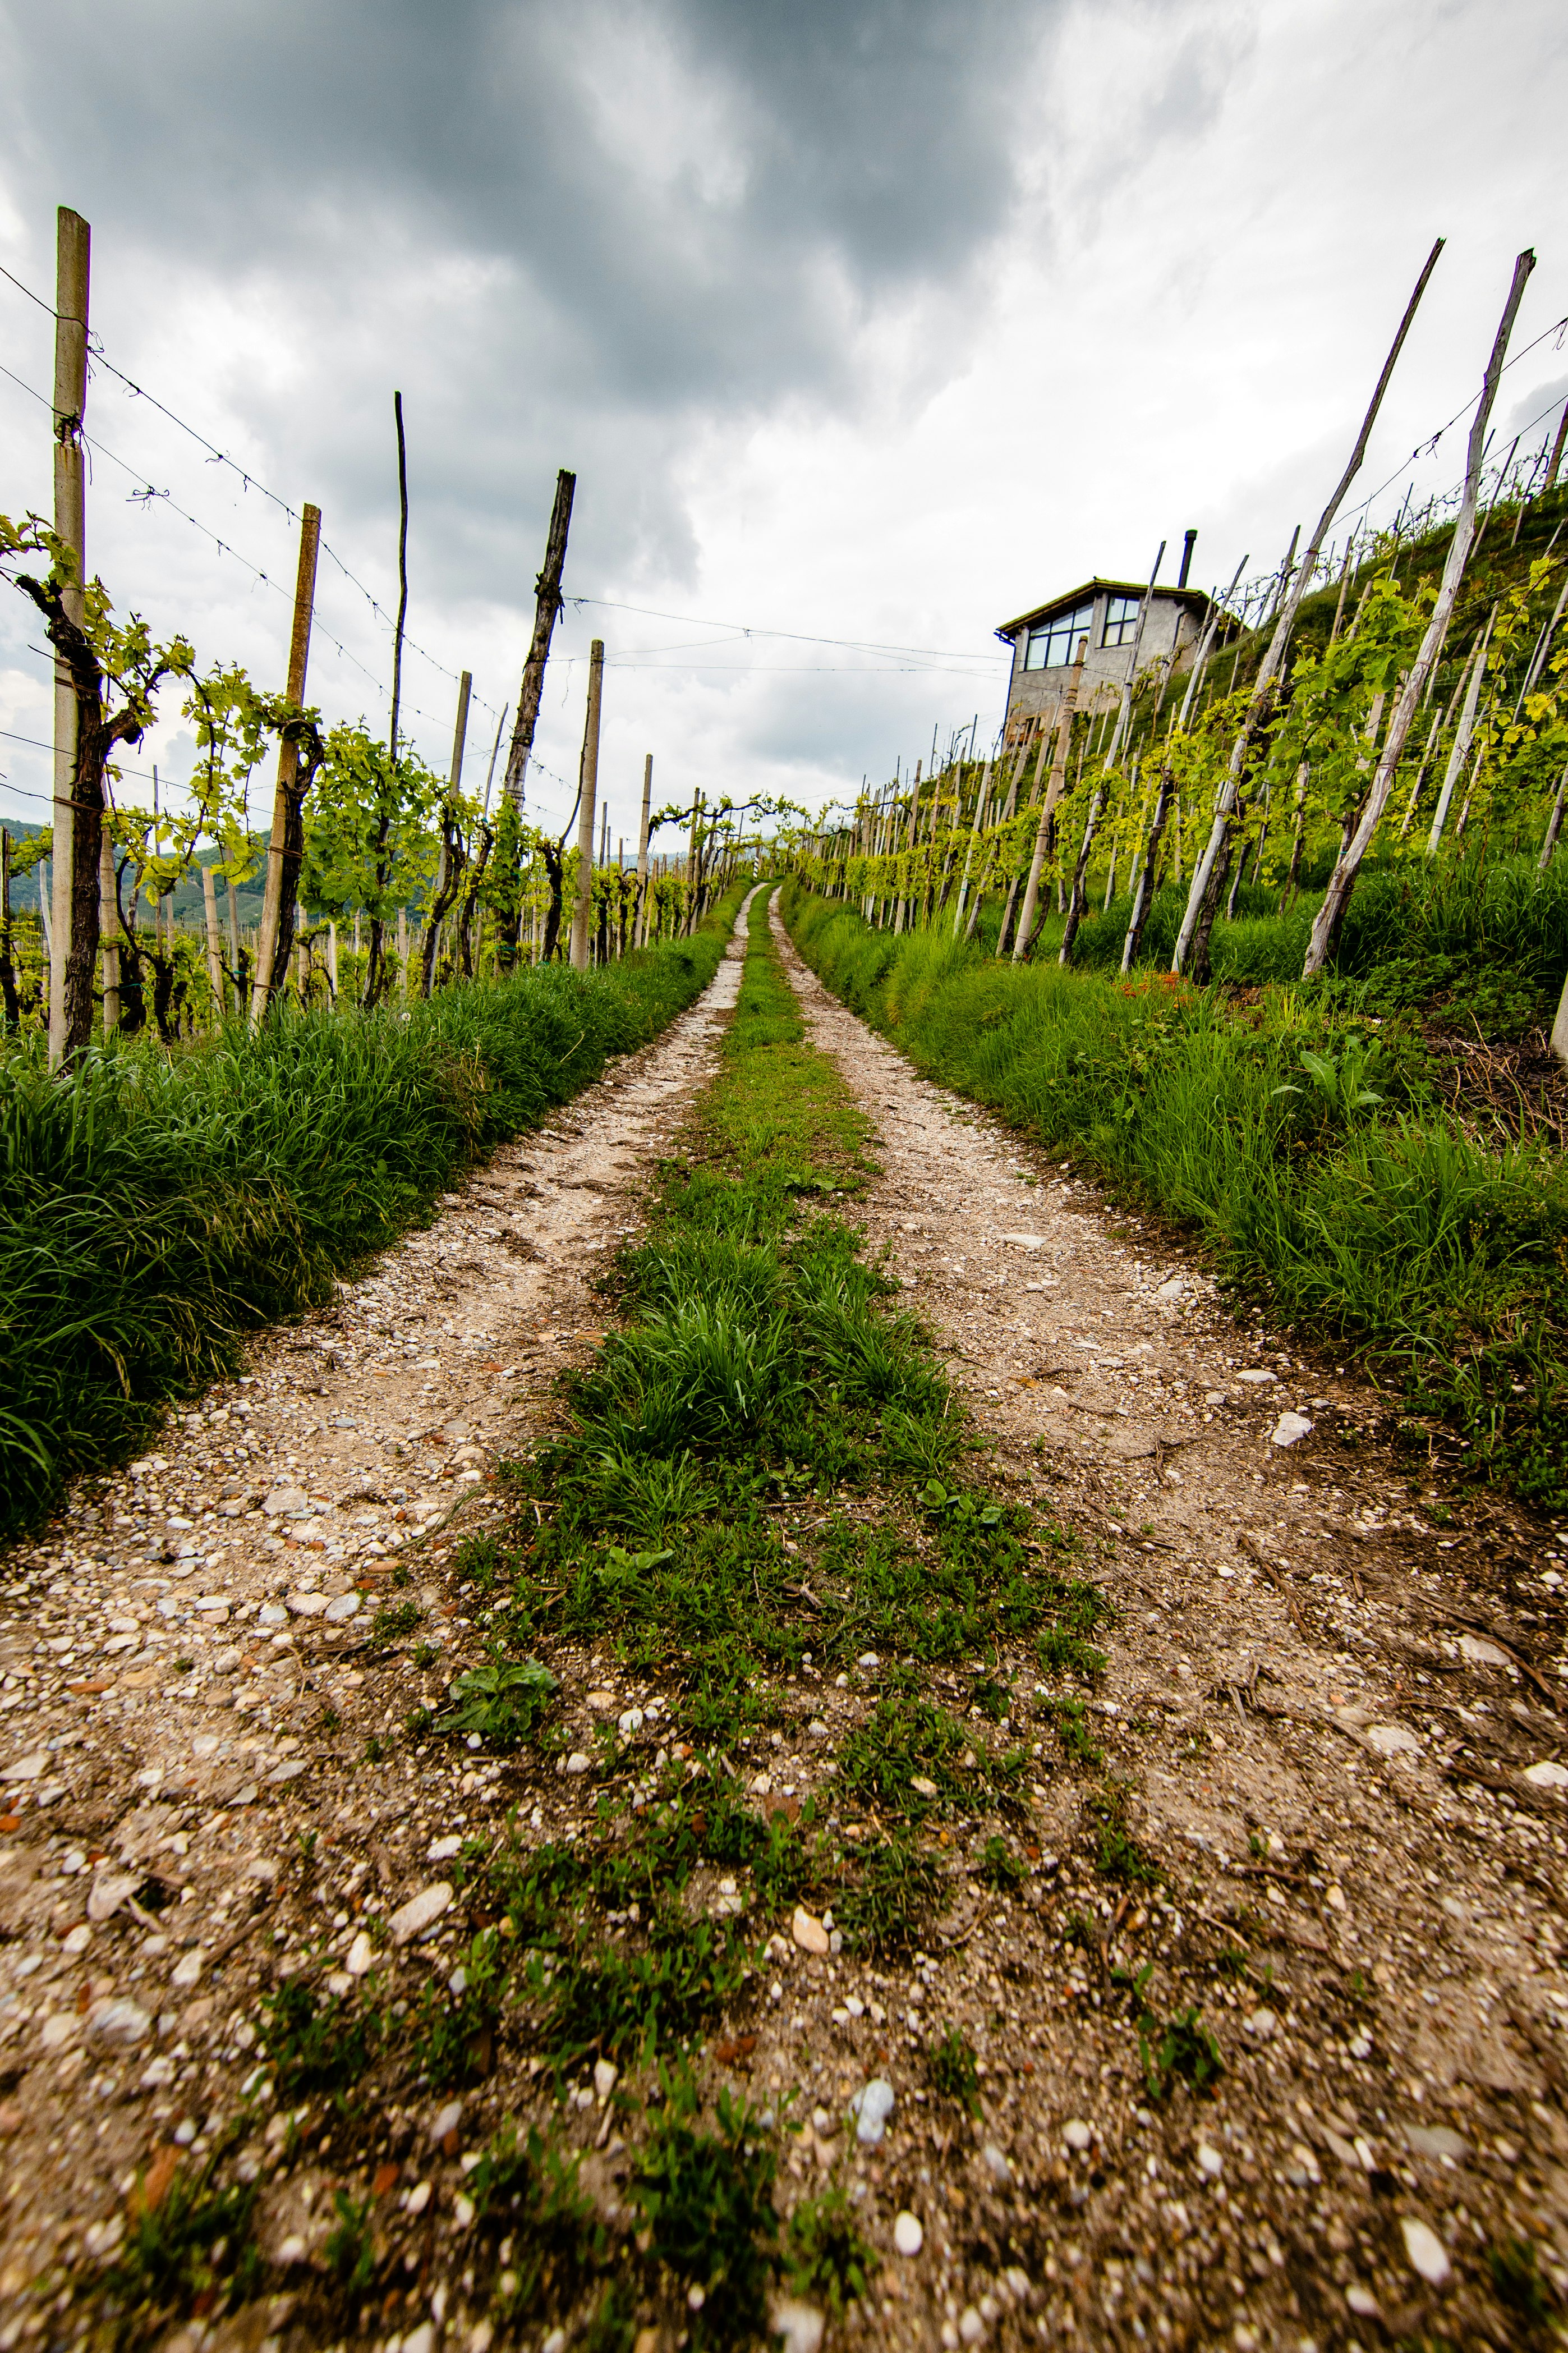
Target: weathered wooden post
(73, 944)
(546, 610)
(272, 910)
(215, 950)
(109, 935)
(581, 913)
(640, 935)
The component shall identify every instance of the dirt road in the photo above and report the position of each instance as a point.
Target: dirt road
(192, 1666)
(1352, 1784)
(1312, 1834)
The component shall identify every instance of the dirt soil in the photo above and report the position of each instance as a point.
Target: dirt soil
(1331, 1727)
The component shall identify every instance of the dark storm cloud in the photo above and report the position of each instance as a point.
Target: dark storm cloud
(572, 237)
(802, 158)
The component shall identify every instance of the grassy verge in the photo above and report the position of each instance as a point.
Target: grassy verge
(1297, 1136)
(152, 1211)
(764, 1505)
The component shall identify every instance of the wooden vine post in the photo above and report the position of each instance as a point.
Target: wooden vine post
(546, 612)
(640, 937)
(277, 898)
(582, 912)
(1208, 873)
(109, 934)
(215, 949)
(73, 940)
(1341, 881)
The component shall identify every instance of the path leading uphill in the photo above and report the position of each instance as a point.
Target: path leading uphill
(1310, 1826)
(1336, 1709)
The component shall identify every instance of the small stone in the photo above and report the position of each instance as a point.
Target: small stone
(77, 1940)
(1210, 2160)
(1261, 2025)
(799, 2325)
(272, 1613)
(1393, 1740)
(361, 1953)
(1171, 1289)
(1077, 2135)
(420, 1911)
(808, 1931)
(462, 2211)
(628, 1722)
(287, 1503)
(307, 1605)
(446, 2120)
(922, 1787)
(290, 2250)
(442, 1850)
(601, 1701)
(971, 2327)
(578, 1763)
(1335, 1898)
(763, 1784)
(31, 1767)
(696, 2297)
(1363, 2303)
(607, 2075)
(290, 1770)
(1290, 1429)
(423, 2339)
(908, 2233)
(1437, 2140)
(108, 1891)
(871, 2106)
(1426, 2250)
(418, 2197)
(1547, 1776)
(60, 2027)
(186, 1971)
(1257, 1380)
(342, 1606)
(1479, 1653)
(868, 1658)
(818, 1729)
(118, 2022)
(996, 2162)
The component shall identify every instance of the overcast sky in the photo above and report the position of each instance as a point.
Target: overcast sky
(868, 324)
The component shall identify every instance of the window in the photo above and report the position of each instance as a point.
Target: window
(1053, 645)
(1120, 620)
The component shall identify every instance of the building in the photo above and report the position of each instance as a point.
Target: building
(1044, 643)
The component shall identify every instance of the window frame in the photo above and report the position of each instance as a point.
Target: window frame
(1060, 638)
(1121, 616)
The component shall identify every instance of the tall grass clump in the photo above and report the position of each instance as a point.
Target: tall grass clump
(152, 1209)
(1303, 1148)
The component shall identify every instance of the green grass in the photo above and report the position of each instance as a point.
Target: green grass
(1379, 1227)
(153, 1211)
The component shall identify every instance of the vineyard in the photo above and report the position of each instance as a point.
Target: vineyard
(809, 1589)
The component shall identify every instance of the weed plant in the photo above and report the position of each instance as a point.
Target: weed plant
(1301, 1145)
(153, 1209)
